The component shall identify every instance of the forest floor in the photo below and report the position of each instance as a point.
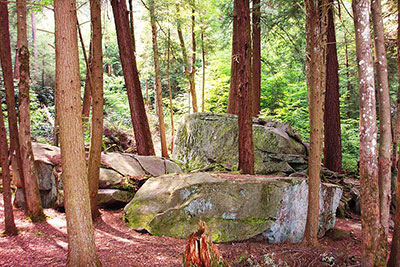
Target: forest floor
(45, 244)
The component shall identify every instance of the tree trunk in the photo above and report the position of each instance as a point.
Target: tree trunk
(35, 52)
(385, 136)
(81, 245)
(132, 25)
(170, 92)
(233, 101)
(16, 65)
(256, 63)
(140, 123)
(316, 82)
(189, 69)
(203, 60)
(160, 112)
(7, 68)
(87, 94)
(9, 224)
(394, 259)
(33, 202)
(246, 148)
(372, 247)
(96, 78)
(193, 66)
(332, 132)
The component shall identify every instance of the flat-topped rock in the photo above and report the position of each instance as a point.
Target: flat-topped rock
(235, 207)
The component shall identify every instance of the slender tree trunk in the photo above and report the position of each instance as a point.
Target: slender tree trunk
(233, 101)
(372, 247)
(385, 137)
(203, 60)
(87, 94)
(140, 123)
(33, 202)
(96, 78)
(164, 150)
(132, 25)
(394, 259)
(81, 245)
(193, 69)
(16, 64)
(147, 94)
(7, 68)
(256, 63)
(246, 148)
(316, 82)
(35, 53)
(170, 92)
(9, 224)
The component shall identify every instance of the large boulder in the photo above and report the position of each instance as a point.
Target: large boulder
(235, 207)
(204, 140)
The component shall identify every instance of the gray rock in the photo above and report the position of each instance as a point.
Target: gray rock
(204, 139)
(113, 198)
(123, 163)
(110, 178)
(234, 207)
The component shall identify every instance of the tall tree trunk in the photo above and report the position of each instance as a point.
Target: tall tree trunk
(96, 78)
(332, 132)
(256, 63)
(35, 52)
(316, 82)
(170, 91)
(193, 66)
(7, 68)
(140, 123)
(164, 150)
(16, 64)
(189, 68)
(87, 94)
(203, 60)
(132, 25)
(394, 259)
(372, 247)
(233, 99)
(385, 137)
(81, 245)
(246, 148)
(33, 202)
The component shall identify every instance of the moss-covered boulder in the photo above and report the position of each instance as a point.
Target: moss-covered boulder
(235, 207)
(204, 140)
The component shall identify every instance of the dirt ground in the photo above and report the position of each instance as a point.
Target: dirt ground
(45, 244)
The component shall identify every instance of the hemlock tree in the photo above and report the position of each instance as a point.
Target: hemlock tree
(332, 133)
(96, 85)
(256, 62)
(246, 148)
(144, 143)
(32, 197)
(81, 245)
(372, 247)
(316, 80)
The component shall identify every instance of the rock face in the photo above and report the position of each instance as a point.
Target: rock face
(120, 176)
(204, 140)
(234, 207)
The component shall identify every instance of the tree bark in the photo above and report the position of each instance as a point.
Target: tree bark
(394, 259)
(246, 148)
(316, 82)
(385, 137)
(372, 247)
(132, 25)
(233, 101)
(7, 68)
(140, 123)
(33, 202)
(203, 60)
(96, 78)
(81, 245)
(87, 94)
(170, 92)
(160, 112)
(256, 63)
(332, 131)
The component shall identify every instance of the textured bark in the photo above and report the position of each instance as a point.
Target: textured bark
(332, 132)
(81, 246)
(203, 60)
(33, 202)
(7, 68)
(189, 67)
(316, 82)
(132, 25)
(87, 94)
(385, 136)
(160, 112)
(144, 143)
(16, 65)
(394, 259)
(170, 92)
(9, 224)
(256, 63)
(233, 101)
(372, 247)
(35, 52)
(96, 78)
(246, 148)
